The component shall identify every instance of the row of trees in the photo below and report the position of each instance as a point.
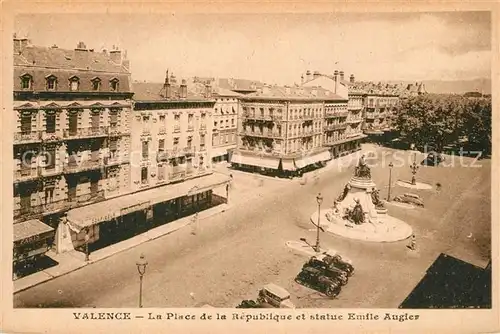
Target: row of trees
(442, 120)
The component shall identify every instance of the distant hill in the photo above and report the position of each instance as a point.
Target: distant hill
(454, 87)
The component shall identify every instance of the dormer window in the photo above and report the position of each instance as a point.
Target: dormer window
(114, 84)
(51, 82)
(96, 84)
(26, 82)
(74, 83)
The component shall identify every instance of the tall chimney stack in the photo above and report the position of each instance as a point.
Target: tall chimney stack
(336, 79)
(116, 56)
(341, 75)
(351, 78)
(183, 92)
(19, 44)
(167, 87)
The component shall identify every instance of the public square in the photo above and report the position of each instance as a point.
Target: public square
(234, 253)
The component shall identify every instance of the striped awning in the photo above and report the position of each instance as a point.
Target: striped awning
(257, 161)
(31, 230)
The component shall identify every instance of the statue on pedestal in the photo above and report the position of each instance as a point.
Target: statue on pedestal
(344, 193)
(376, 199)
(356, 215)
(362, 170)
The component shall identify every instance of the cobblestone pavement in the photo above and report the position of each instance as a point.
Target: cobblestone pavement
(234, 253)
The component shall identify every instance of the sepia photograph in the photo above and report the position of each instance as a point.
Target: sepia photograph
(330, 160)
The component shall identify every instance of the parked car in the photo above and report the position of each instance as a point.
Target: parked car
(328, 270)
(314, 279)
(337, 261)
(432, 159)
(410, 199)
(273, 295)
(249, 304)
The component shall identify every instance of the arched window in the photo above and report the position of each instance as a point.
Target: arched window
(96, 84)
(26, 82)
(74, 83)
(114, 84)
(51, 82)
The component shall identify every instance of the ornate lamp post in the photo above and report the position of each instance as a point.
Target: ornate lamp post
(390, 180)
(87, 239)
(141, 268)
(319, 199)
(414, 168)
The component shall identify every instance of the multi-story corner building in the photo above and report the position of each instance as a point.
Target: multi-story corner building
(281, 130)
(344, 117)
(71, 140)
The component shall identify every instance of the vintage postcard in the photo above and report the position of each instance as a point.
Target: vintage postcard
(273, 167)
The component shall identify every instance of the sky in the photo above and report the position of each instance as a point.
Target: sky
(278, 48)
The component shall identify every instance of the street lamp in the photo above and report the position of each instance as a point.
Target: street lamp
(390, 180)
(414, 166)
(141, 268)
(319, 199)
(87, 239)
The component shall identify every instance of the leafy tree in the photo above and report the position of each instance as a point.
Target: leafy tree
(440, 120)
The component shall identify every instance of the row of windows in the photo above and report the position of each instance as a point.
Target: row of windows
(172, 163)
(51, 121)
(225, 111)
(226, 123)
(51, 83)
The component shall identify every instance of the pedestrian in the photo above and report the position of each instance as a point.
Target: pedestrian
(413, 243)
(194, 223)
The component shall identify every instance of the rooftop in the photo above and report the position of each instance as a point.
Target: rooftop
(293, 93)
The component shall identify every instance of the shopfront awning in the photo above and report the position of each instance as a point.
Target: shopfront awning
(218, 151)
(30, 231)
(92, 214)
(257, 161)
(312, 159)
(288, 165)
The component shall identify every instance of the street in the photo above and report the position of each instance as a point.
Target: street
(236, 252)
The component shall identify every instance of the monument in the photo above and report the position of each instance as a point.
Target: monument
(359, 213)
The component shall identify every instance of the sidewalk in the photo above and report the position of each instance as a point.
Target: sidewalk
(74, 260)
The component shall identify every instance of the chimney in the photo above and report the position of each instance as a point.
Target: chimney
(167, 87)
(81, 47)
(341, 75)
(308, 75)
(20, 44)
(336, 79)
(351, 78)
(183, 89)
(208, 90)
(116, 56)
(316, 75)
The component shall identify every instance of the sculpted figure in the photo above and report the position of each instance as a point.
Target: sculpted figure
(376, 198)
(362, 170)
(344, 194)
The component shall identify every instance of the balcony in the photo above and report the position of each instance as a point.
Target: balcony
(28, 212)
(85, 199)
(203, 126)
(115, 160)
(332, 127)
(118, 131)
(190, 127)
(27, 174)
(84, 165)
(354, 120)
(202, 147)
(146, 132)
(27, 137)
(162, 130)
(177, 128)
(337, 114)
(51, 136)
(48, 171)
(371, 115)
(86, 132)
(262, 134)
(177, 175)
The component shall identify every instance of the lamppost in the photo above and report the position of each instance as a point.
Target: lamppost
(87, 239)
(141, 268)
(414, 168)
(390, 180)
(319, 199)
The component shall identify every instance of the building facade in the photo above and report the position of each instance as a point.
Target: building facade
(71, 139)
(281, 130)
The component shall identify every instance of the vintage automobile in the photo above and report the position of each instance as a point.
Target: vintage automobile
(327, 270)
(337, 261)
(314, 279)
(249, 304)
(433, 159)
(410, 199)
(273, 295)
